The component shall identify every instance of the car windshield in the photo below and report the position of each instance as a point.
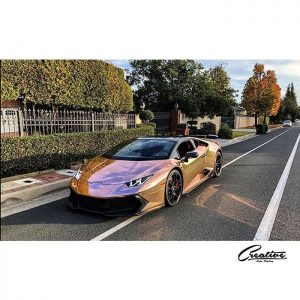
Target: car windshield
(142, 149)
(286, 121)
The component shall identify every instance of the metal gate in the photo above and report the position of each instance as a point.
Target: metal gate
(162, 121)
(229, 121)
(9, 122)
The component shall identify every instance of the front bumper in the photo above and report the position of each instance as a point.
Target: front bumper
(129, 205)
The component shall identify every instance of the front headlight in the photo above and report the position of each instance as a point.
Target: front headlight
(78, 174)
(137, 182)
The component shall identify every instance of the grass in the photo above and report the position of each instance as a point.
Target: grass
(239, 133)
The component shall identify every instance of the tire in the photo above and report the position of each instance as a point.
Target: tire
(218, 165)
(173, 191)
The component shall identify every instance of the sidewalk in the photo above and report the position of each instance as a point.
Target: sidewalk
(227, 142)
(24, 189)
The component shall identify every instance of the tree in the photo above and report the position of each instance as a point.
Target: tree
(162, 83)
(271, 94)
(221, 97)
(290, 103)
(261, 94)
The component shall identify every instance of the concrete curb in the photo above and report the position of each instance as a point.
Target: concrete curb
(16, 177)
(33, 192)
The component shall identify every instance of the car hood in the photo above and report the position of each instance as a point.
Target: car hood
(109, 171)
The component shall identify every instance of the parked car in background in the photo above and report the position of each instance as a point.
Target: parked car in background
(297, 121)
(287, 123)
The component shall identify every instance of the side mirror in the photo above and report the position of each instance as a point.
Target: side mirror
(190, 154)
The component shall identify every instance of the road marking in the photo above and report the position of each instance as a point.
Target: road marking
(23, 206)
(234, 160)
(132, 219)
(114, 229)
(264, 230)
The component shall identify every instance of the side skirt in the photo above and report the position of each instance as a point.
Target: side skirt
(190, 188)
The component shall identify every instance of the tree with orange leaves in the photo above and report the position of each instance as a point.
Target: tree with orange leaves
(261, 94)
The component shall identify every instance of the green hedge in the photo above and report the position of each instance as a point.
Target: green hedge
(147, 124)
(36, 153)
(85, 84)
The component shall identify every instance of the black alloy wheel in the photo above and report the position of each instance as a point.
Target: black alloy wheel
(173, 188)
(218, 165)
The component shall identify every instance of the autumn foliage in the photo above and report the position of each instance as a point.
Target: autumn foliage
(262, 94)
(89, 84)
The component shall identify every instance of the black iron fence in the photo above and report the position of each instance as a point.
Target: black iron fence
(17, 122)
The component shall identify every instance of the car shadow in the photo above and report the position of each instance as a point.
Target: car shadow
(56, 212)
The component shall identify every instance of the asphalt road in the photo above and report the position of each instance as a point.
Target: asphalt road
(230, 207)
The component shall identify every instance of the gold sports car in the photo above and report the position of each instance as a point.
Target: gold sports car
(144, 174)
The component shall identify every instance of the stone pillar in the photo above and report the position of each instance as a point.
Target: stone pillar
(137, 119)
(175, 119)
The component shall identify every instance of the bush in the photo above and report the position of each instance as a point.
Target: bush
(152, 124)
(142, 125)
(92, 84)
(225, 132)
(146, 115)
(207, 128)
(36, 153)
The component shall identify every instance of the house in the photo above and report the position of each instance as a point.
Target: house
(240, 111)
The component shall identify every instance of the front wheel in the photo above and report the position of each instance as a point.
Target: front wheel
(173, 188)
(218, 165)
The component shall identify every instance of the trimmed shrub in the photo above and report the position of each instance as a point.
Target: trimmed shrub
(84, 84)
(207, 128)
(146, 124)
(146, 115)
(37, 153)
(225, 132)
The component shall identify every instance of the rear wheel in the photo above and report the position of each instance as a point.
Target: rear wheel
(173, 190)
(218, 165)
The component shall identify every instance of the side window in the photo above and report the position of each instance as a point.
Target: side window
(196, 142)
(176, 155)
(185, 147)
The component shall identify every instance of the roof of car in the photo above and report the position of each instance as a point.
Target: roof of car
(171, 138)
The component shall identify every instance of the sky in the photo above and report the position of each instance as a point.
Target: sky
(287, 71)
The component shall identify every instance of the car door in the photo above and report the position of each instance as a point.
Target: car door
(193, 166)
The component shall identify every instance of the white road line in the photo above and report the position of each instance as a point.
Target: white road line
(114, 229)
(264, 230)
(234, 160)
(23, 206)
(132, 219)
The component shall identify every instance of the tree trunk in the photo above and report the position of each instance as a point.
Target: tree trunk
(255, 120)
(265, 117)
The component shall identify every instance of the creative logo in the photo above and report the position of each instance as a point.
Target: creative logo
(253, 253)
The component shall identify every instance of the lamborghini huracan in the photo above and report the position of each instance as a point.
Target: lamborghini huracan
(144, 174)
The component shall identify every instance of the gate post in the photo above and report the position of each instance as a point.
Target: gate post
(175, 119)
(93, 121)
(21, 122)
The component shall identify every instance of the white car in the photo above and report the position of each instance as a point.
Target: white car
(287, 123)
(297, 121)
